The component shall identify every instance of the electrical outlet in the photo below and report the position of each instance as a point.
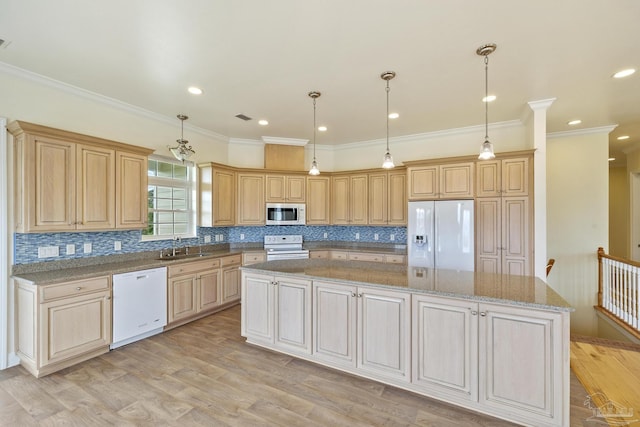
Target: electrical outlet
(357, 236)
(87, 248)
(71, 249)
(222, 237)
(241, 236)
(207, 239)
(117, 245)
(48, 251)
(326, 235)
(375, 236)
(392, 237)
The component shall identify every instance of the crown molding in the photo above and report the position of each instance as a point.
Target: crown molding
(102, 99)
(284, 141)
(601, 129)
(246, 141)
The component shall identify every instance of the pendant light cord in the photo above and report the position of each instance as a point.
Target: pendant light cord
(486, 98)
(314, 128)
(388, 89)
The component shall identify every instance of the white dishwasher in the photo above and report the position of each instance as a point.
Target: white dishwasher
(139, 305)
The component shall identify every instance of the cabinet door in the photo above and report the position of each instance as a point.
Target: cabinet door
(423, 182)
(95, 189)
(456, 181)
(515, 236)
(378, 199)
(359, 200)
(523, 363)
(340, 200)
(515, 177)
(275, 188)
(209, 289)
(397, 198)
(334, 323)
(445, 343)
(318, 200)
(251, 205)
(52, 206)
(384, 320)
(182, 298)
(489, 235)
(73, 326)
(224, 201)
(295, 189)
(488, 178)
(131, 191)
(257, 308)
(293, 314)
(230, 284)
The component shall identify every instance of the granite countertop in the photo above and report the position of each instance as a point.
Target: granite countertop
(382, 248)
(527, 291)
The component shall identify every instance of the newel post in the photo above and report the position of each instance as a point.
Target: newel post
(600, 255)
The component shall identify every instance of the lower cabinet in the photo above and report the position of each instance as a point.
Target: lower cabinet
(276, 311)
(230, 278)
(63, 324)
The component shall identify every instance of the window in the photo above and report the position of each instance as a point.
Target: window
(171, 199)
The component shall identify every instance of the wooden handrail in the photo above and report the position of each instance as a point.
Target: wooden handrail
(601, 254)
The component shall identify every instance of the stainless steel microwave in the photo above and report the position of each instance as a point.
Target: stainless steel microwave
(285, 214)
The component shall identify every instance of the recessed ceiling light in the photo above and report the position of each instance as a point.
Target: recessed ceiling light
(623, 137)
(322, 128)
(624, 73)
(394, 115)
(574, 122)
(611, 159)
(263, 122)
(489, 98)
(195, 90)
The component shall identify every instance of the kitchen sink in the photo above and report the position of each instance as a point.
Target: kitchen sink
(169, 257)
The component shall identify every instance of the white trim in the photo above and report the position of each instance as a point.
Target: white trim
(587, 131)
(284, 141)
(4, 253)
(244, 141)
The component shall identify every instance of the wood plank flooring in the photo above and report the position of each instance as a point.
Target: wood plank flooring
(203, 374)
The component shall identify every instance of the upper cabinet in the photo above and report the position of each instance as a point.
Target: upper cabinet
(441, 181)
(66, 181)
(251, 205)
(349, 199)
(388, 198)
(318, 200)
(285, 188)
(503, 177)
(217, 195)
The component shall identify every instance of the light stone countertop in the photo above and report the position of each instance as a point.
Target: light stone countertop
(381, 248)
(526, 291)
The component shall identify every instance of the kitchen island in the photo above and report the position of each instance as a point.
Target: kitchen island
(497, 344)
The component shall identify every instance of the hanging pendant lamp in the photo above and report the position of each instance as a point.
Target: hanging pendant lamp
(486, 150)
(314, 165)
(182, 152)
(387, 161)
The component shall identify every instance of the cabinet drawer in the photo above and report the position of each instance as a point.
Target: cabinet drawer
(358, 256)
(339, 255)
(395, 259)
(319, 254)
(77, 287)
(231, 260)
(253, 257)
(192, 267)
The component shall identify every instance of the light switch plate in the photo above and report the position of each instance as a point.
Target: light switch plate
(117, 245)
(48, 251)
(71, 249)
(207, 239)
(87, 248)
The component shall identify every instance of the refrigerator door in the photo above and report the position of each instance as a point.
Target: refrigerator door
(454, 247)
(420, 238)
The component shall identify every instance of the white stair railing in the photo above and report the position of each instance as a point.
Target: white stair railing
(619, 289)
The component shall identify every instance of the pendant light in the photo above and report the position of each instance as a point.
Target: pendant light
(182, 152)
(387, 161)
(486, 150)
(314, 165)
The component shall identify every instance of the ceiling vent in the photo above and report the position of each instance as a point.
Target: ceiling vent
(243, 117)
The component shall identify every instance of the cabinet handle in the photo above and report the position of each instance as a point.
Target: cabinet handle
(482, 313)
(108, 298)
(78, 288)
(473, 312)
(353, 294)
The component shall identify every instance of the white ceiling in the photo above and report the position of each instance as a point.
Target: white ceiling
(261, 58)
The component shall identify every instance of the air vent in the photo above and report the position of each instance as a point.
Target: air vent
(243, 117)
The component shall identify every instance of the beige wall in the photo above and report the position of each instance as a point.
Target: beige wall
(577, 220)
(619, 227)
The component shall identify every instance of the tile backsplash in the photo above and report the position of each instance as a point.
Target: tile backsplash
(26, 245)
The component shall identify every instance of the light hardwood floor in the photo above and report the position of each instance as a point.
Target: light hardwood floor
(204, 374)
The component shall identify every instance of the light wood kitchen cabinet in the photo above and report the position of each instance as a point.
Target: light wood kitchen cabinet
(318, 200)
(319, 254)
(441, 181)
(349, 199)
(276, 311)
(62, 324)
(362, 327)
(66, 181)
(131, 190)
(193, 289)
(231, 278)
(503, 177)
(217, 195)
(285, 188)
(253, 257)
(387, 198)
(251, 204)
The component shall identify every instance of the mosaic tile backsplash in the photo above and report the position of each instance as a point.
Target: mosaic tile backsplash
(103, 243)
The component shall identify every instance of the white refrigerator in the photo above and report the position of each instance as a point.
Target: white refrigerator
(440, 234)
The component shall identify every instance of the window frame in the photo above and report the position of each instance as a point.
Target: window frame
(189, 185)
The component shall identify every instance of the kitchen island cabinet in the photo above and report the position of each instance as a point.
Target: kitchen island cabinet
(497, 344)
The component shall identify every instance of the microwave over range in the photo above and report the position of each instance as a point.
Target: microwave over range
(285, 214)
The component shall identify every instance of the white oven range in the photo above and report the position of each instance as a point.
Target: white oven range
(288, 246)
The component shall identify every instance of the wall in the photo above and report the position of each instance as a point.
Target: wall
(619, 228)
(577, 219)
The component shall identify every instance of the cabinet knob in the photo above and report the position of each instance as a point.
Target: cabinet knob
(482, 313)
(353, 294)
(473, 312)
(78, 288)
(108, 297)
